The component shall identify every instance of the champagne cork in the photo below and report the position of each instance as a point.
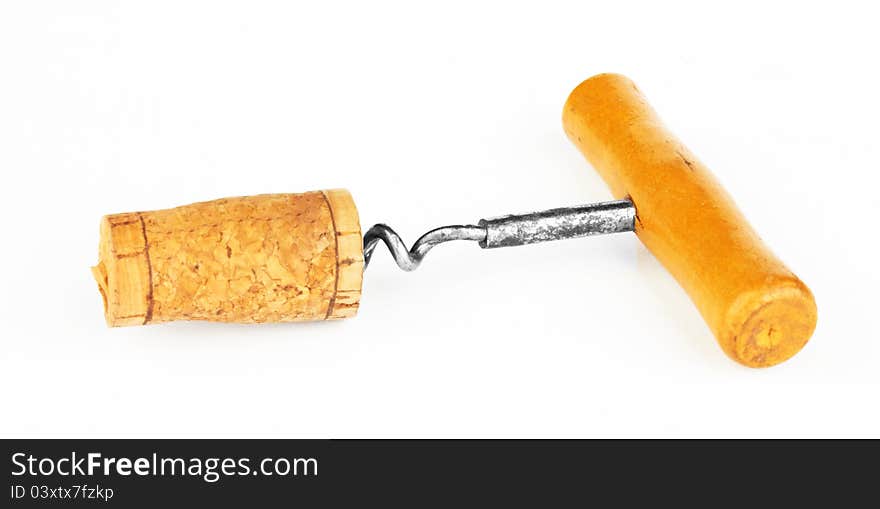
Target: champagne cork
(254, 259)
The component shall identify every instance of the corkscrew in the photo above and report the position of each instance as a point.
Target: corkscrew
(296, 257)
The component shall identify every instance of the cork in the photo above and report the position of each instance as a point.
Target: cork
(760, 312)
(253, 259)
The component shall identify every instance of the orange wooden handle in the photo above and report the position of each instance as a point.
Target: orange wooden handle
(759, 311)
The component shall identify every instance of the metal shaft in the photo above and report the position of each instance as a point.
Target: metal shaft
(512, 230)
(559, 224)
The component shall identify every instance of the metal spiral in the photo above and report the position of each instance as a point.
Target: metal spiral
(511, 230)
(409, 260)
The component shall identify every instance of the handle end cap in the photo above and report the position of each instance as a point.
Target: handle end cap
(765, 328)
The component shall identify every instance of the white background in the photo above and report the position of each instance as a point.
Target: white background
(433, 114)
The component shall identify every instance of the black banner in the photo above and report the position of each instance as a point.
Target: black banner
(413, 473)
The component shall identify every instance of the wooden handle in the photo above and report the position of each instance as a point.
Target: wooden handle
(759, 311)
(267, 258)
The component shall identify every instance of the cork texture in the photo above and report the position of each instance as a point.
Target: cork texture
(267, 258)
(759, 311)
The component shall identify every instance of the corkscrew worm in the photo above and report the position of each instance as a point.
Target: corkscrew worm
(511, 230)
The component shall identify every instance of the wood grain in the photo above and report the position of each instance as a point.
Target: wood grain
(759, 311)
